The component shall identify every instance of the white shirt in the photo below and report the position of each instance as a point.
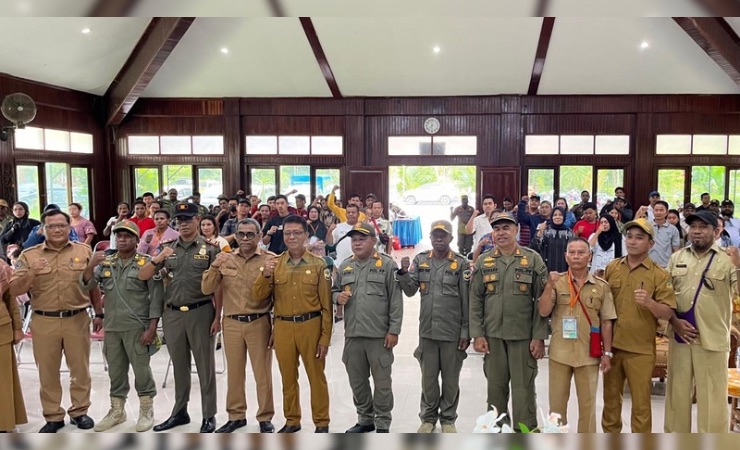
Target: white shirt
(481, 225)
(732, 227)
(344, 248)
(602, 257)
(111, 222)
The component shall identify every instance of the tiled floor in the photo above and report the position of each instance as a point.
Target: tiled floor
(406, 386)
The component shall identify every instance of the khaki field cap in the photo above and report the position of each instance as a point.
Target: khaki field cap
(642, 224)
(127, 226)
(442, 225)
(364, 229)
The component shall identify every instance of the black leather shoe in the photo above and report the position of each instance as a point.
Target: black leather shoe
(361, 429)
(382, 430)
(52, 427)
(232, 425)
(290, 429)
(266, 427)
(322, 430)
(83, 422)
(209, 425)
(181, 418)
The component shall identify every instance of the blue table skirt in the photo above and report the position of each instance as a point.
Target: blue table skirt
(408, 231)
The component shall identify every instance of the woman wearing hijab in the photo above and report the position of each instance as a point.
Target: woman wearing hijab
(606, 244)
(17, 230)
(552, 239)
(316, 232)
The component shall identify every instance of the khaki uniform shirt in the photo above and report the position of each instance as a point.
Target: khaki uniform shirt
(376, 305)
(57, 287)
(10, 318)
(503, 293)
(185, 270)
(713, 307)
(119, 281)
(299, 289)
(237, 277)
(636, 327)
(597, 299)
(443, 284)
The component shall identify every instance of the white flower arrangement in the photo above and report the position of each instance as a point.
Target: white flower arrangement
(492, 422)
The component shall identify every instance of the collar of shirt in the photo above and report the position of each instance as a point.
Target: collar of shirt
(715, 248)
(187, 245)
(45, 246)
(647, 262)
(257, 252)
(289, 259)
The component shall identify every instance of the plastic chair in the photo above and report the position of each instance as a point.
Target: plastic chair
(102, 246)
(219, 336)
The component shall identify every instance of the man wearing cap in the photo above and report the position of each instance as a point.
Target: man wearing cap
(578, 209)
(247, 326)
(687, 210)
(667, 239)
(228, 231)
(202, 210)
(383, 228)
(578, 302)
(504, 322)
(191, 318)
(51, 270)
(169, 201)
(300, 206)
(133, 307)
(464, 213)
(300, 285)
(642, 293)
(369, 200)
(732, 225)
(705, 280)
(373, 310)
(442, 277)
(647, 210)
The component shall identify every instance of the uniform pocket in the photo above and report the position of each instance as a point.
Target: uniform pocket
(133, 283)
(310, 278)
(386, 358)
(450, 284)
(376, 285)
(523, 284)
(200, 264)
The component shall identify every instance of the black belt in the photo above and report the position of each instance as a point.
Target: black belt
(186, 308)
(247, 317)
(302, 318)
(60, 314)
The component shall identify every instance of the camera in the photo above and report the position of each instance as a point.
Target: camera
(232, 208)
(384, 238)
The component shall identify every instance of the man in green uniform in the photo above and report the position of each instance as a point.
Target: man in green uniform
(504, 322)
(442, 278)
(134, 308)
(642, 293)
(168, 202)
(464, 213)
(373, 310)
(202, 210)
(190, 318)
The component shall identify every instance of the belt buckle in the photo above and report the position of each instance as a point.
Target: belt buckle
(184, 308)
(61, 314)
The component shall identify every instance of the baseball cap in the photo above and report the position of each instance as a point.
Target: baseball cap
(505, 217)
(127, 226)
(714, 202)
(654, 193)
(442, 225)
(371, 195)
(705, 216)
(244, 200)
(184, 209)
(4, 203)
(364, 229)
(642, 224)
(464, 196)
(301, 196)
(689, 205)
(727, 202)
(51, 206)
(533, 196)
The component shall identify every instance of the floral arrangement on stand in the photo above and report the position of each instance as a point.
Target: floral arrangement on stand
(493, 422)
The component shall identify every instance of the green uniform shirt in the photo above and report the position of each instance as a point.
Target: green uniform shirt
(185, 270)
(119, 279)
(503, 293)
(376, 305)
(443, 284)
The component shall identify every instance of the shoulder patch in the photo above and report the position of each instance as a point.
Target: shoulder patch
(327, 274)
(467, 274)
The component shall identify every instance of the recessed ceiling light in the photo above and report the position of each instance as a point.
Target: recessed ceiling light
(224, 50)
(86, 31)
(644, 45)
(436, 49)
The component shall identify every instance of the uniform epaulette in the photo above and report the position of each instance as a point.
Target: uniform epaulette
(32, 247)
(81, 243)
(600, 279)
(167, 242)
(210, 242)
(268, 253)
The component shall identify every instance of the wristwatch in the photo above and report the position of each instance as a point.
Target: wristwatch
(99, 316)
(609, 354)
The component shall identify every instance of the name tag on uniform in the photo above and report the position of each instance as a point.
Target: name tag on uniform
(570, 327)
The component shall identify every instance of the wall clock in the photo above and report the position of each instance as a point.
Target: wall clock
(431, 125)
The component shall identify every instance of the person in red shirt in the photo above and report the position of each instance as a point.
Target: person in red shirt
(587, 225)
(140, 218)
(300, 206)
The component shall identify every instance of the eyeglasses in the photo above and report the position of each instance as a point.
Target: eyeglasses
(56, 227)
(293, 233)
(242, 235)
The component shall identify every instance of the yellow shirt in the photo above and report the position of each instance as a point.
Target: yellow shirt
(341, 213)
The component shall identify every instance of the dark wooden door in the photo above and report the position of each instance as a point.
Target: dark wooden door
(366, 180)
(500, 182)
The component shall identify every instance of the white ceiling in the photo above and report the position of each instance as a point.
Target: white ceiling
(382, 56)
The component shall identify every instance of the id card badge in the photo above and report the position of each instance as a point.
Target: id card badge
(570, 327)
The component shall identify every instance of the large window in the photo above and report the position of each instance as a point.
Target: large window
(325, 179)
(733, 193)
(606, 181)
(180, 177)
(577, 145)
(210, 184)
(175, 145)
(296, 177)
(146, 179)
(697, 144)
(28, 188)
(53, 182)
(432, 145)
(570, 181)
(708, 179)
(671, 184)
(32, 138)
(542, 183)
(295, 145)
(264, 183)
(573, 180)
(272, 180)
(183, 177)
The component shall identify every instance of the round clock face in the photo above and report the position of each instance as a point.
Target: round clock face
(431, 125)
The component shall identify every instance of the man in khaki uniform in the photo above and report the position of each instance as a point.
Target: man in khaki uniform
(134, 308)
(442, 277)
(578, 302)
(51, 271)
(504, 322)
(300, 284)
(373, 311)
(247, 326)
(705, 280)
(642, 293)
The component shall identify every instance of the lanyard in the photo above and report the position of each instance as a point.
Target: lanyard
(575, 292)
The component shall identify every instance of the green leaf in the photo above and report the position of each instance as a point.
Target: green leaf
(523, 428)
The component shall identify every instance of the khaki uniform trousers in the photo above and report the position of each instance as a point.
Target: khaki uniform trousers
(186, 332)
(53, 336)
(240, 338)
(12, 407)
(435, 358)
(512, 362)
(121, 349)
(363, 357)
(689, 366)
(294, 340)
(637, 369)
(587, 380)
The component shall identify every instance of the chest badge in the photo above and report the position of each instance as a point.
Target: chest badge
(77, 259)
(423, 286)
(203, 251)
(308, 272)
(141, 262)
(106, 273)
(523, 287)
(453, 265)
(489, 287)
(379, 263)
(524, 262)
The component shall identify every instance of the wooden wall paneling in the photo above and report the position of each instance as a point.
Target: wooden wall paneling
(510, 146)
(354, 141)
(646, 177)
(234, 176)
(627, 104)
(301, 107)
(296, 125)
(182, 107)
(178, 125)
(578, 124)
(500, 182)
(696, 123)
(431, 106)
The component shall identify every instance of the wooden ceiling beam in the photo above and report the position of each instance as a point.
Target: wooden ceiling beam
(318, 52)
(717, 39)
(155, 46)
(541, 55)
